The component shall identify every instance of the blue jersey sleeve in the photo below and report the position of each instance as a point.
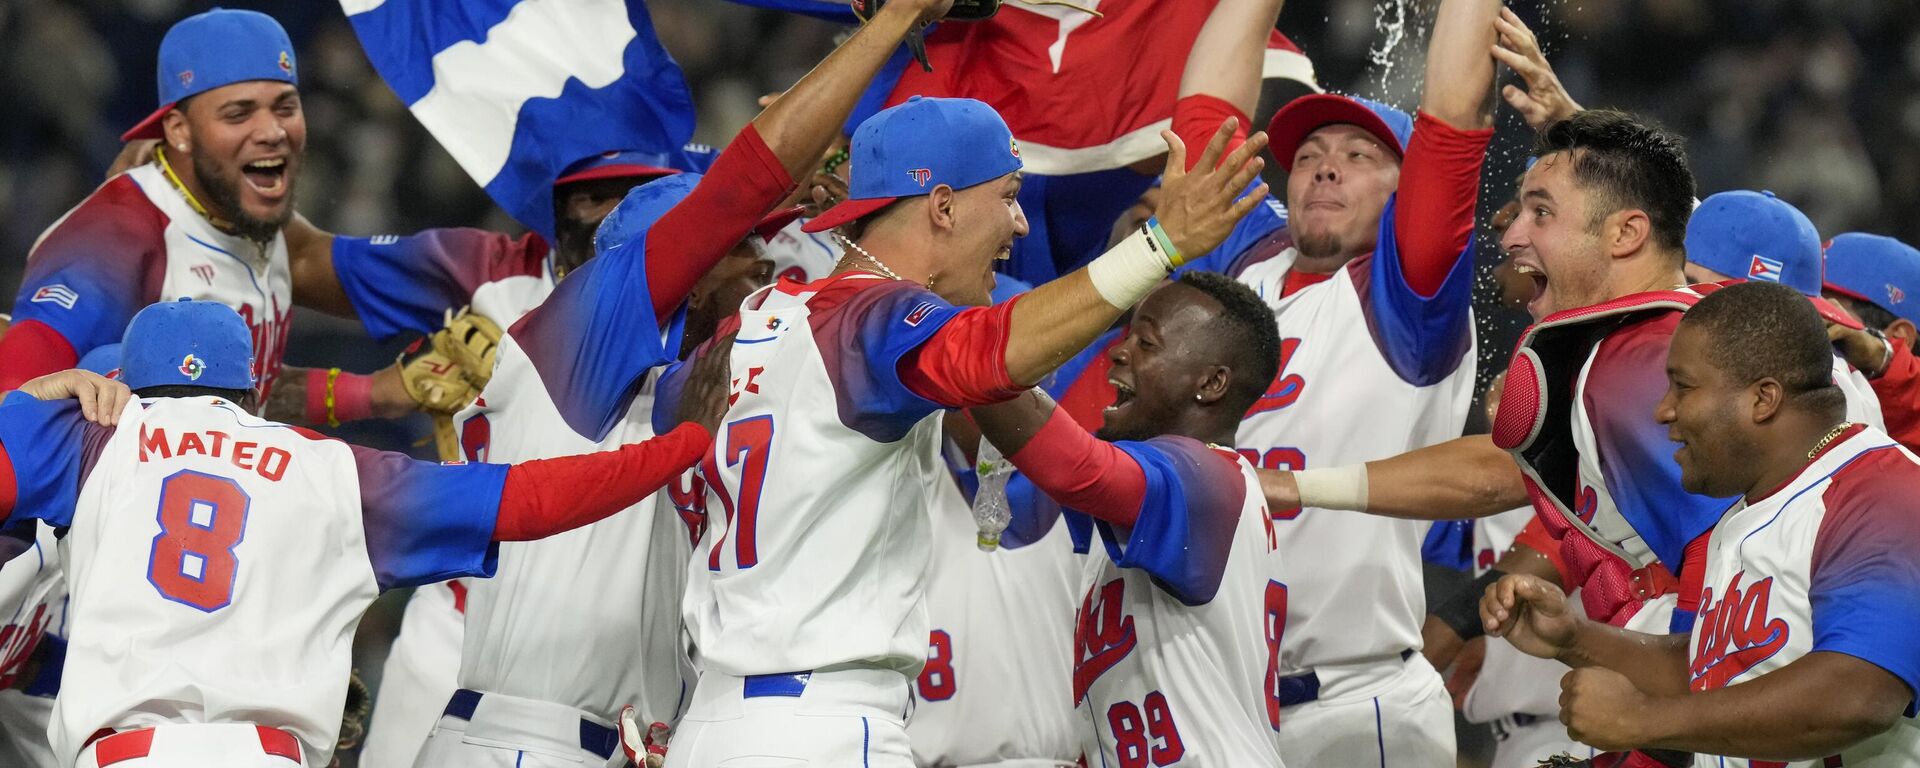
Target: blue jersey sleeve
(405, 284)
(1625, 381)
(93, 270)
(595, 339)
(1185, 528)
(1424, 338)
(1865, 584)
(51, 449)
(428, 522)
(862, 343)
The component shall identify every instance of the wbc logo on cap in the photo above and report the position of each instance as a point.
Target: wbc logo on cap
(286, 63)
(921, 175)
(1013, 146)
(192, 368)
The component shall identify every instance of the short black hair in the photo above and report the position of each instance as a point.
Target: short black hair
(1759, 330)
(1870, 314)
(1247, 331)
(1629, 162)
(242, 397)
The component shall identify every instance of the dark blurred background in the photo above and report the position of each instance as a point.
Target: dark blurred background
(1818, 100)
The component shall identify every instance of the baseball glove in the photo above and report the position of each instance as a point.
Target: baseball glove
(444, 372)
(963, 10)
(353, 720)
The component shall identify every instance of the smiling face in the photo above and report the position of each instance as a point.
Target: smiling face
(985, 220)
(1340, 182)
(1161, 364)
(1702, 413)
(246, 142)
(1554, 241)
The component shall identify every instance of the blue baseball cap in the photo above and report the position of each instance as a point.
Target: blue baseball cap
(1876, 269)
(213, 49)
(625, 163)
(908, 149)
(1748, 235)
(103, 360)
(187, 343)
(1301, 117)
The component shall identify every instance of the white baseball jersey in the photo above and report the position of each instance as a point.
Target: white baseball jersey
(218, 564)
(1178, 644)
(1369, 369)
(136, 241)
(33, 603)
(999, 674)
(1824, 563)
(1510, 682)
(801, 257)
(823, 433)
(1863, 404)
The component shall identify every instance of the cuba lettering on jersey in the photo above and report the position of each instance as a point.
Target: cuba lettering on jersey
(136, 241)
(1824, 563)
(218, 564)
(1369, 369)
(999, 659)
(822, 433)
(1177, 649)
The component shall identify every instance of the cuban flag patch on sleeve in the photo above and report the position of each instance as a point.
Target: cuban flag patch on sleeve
(920, 313)
(56, 294)
(1764, 268)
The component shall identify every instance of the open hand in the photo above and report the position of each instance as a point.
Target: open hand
(1531, 614)
(1199, 208)
(101, 399)
(1544, 101)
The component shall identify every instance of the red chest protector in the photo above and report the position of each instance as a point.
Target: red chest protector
(1535, 424)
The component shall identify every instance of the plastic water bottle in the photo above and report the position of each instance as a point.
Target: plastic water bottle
(990, 510)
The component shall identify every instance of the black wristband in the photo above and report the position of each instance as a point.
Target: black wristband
(1461, 612)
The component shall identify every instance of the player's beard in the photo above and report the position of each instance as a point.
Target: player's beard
(1321, 245)
(573, 243)
(223, 195)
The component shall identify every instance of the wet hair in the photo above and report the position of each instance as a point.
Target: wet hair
(1758, 330)
(1246, 331)
(1627, 162)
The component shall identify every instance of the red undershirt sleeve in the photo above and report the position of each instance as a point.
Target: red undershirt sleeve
(1899, 391)
(964, 364)
(31, 349)
(745, 182)
(1439, 186)
(1196, 117)
(9, 485)
(1083, 472)
(549, 496)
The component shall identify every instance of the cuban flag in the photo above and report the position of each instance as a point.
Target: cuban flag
(1764, 268)
(517, 90)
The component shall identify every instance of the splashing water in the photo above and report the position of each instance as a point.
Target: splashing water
(1390, 20)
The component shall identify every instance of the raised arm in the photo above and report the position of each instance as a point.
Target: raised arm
(1223, 74)
(1459, 77)
(1463, 478)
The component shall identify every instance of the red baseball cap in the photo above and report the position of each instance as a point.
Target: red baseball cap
(1301, 117)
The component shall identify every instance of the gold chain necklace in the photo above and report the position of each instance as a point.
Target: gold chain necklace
(1832, 434)
(160, 159)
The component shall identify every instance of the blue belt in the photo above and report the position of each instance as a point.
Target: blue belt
(790, 684)
(1305, 687)
(594, 737)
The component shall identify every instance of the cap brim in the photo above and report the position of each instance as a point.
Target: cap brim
(1301, 117)
(1831, 288)
(776, 221)
(616, 171)
(1832, 313)
(148, 128)
(845, 213)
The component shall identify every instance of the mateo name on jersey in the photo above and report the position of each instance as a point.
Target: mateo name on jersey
(270, 464)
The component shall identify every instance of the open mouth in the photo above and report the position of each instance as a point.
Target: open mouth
(1122, 395)
(1538, 277)
(268, 177)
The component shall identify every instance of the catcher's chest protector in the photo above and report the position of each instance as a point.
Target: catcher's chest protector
(1537, 411)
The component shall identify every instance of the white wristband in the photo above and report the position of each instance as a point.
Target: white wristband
(1333, 487)
(1129, 270)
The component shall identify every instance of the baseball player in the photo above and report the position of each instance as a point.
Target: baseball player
(1871, 276)
(546, 666)
(32, 639)
(1809, 580)
(202, 220)
(217, 630)
(809, 624)
(1177, 645)
(1744, 235)
(1370, 282)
